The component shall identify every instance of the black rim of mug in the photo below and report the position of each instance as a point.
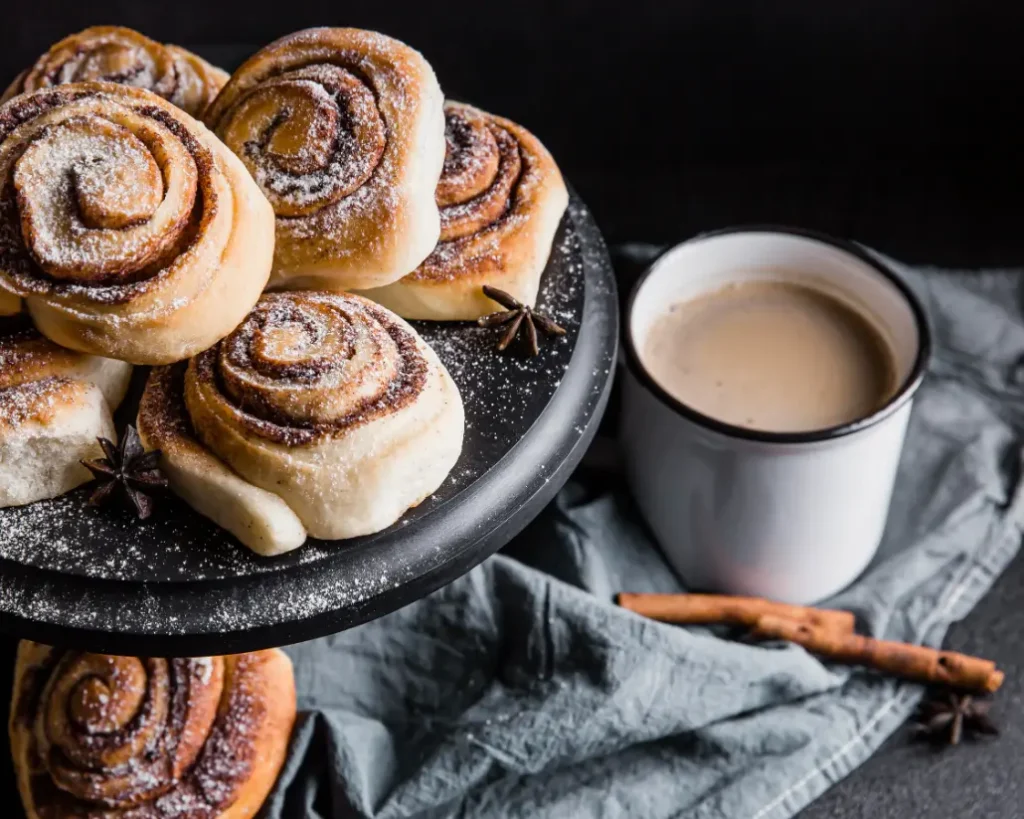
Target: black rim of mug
(896, 401)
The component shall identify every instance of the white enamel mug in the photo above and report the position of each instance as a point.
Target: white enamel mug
(794, 517)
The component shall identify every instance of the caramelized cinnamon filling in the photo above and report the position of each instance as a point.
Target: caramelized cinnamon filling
(111, 54)
(305, 366)
(33, 372)
(482, 165)
(103, 200)
(310, 136)
(159, 737)
(470, 159)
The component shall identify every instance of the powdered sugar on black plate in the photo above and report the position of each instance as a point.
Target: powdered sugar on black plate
(504, 396)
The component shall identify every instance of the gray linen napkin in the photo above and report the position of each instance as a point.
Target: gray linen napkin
(521, 691)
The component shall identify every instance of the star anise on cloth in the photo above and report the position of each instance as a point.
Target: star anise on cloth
(517, 316)
(949, 717)
(129, 468)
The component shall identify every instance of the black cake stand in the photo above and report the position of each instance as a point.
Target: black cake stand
(177, 585)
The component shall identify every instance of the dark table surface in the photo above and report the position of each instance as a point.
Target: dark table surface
(868, 120)
(974, 779)
(904, 779)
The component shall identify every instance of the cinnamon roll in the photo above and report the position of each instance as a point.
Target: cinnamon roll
(343, 130)
(10, 305)
(129, 230)
(54, 403)
(121, 55)
(322, 414)
(501, 197)
(93, 735)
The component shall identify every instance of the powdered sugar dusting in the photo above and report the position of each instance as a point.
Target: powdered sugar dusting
(343, 139)
(203, 668)
(37, 400)
(55, 173)
(503, 395)
(134, 721)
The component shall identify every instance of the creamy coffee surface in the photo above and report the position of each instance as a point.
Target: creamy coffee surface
(772, 356)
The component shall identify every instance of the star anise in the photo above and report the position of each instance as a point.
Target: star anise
(517, 316)
(129, 467)
(950, 717)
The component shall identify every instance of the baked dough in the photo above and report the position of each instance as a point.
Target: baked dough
(54, 403)
(322, 414)
(129, 230)
(502, 198)
(117, 54)
(98, 735)
(343, 130)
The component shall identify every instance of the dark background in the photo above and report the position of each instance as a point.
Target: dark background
(890, 121)
(893, 122)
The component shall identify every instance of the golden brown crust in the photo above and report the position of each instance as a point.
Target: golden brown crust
(342, 129)
(39, 379)
(10, 304)
(96, 735)
(258, 518)
(39, 402)
(121, 55)
(305, 366)
(127, 228)
(501, 197)
(482, 166)
(27, 355)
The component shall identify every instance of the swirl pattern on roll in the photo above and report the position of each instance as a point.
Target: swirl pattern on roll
(121, 55)
(148, 737)
(501, 197)
(301, 368)
(482, 165)
(322, 414)
(129, 230)
(54, 403)
(341, 129)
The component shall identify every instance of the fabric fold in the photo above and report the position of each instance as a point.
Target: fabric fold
(520, 690)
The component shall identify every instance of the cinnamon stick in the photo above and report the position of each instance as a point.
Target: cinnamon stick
(697, 609)
(913, 662)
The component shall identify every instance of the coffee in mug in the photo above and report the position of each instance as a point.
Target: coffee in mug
(769, 379)
(771, 355)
